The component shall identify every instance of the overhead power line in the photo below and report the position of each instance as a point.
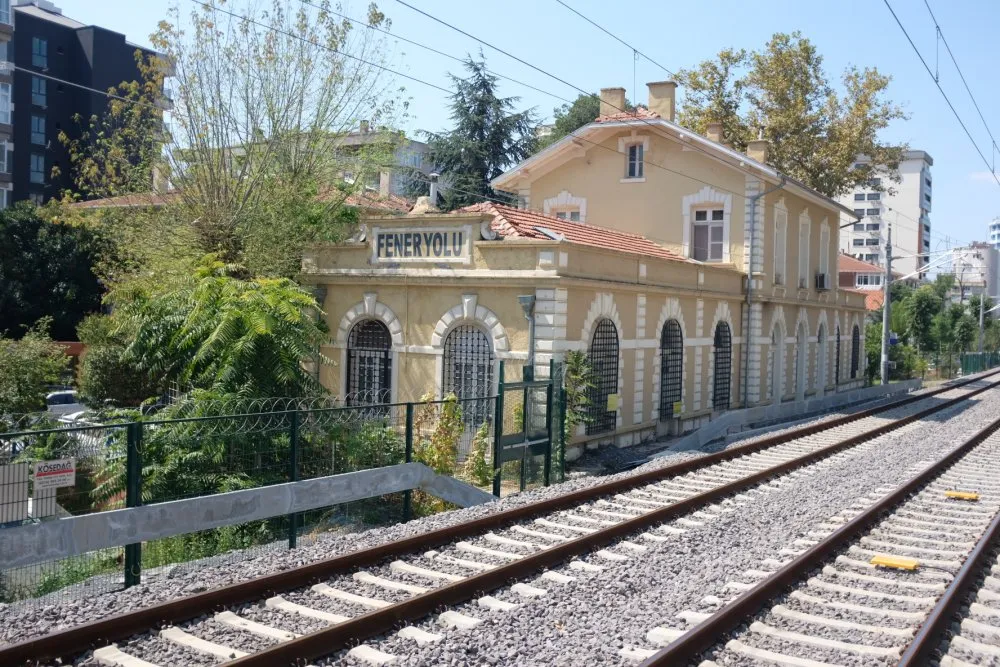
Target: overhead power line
(941, 90)
(615, 37)
(965, 83)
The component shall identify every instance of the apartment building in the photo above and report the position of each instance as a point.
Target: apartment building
(906, 205)
(409, 161)
(995, 233)
(976, 268)
(47, 63)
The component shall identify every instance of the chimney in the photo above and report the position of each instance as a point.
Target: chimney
(434, 189)
(662, 98)
(364, 127)
(757, 150)
(612, 101)
(714, 132)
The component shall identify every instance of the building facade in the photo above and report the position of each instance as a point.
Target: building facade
(976, 268)
(995, 233)
(645, 269)
(51, 59)
(409, 157)
(906, 205)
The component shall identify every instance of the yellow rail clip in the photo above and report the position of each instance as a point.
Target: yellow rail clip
(895, 562)
(962, 495)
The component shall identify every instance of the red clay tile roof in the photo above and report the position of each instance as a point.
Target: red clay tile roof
(640, 113)
(368, 200)
(873, 297)
(517, 223)
(139, 200)
(375, 202)
(848, 264)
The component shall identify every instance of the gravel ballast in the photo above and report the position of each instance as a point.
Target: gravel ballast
(589, 620)
(577, 618)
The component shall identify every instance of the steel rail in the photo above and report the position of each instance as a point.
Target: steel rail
(925, 642)
(692, 644)
(78, 639)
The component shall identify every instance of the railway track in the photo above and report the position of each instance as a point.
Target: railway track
(326, 607)
(877, 586)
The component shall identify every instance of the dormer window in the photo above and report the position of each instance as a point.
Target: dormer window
(634, 166)
(573, 215)
(634, 148)
(708, 236)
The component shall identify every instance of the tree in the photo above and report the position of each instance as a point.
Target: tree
(47, 270)
(105, 374)
(27, 368)
(919, 311)
(488, 137)
(782, 94)
(254, 164)
(224, 332)
(571, 117)
(966, 330)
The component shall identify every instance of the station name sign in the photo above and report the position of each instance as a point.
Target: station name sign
(422, 244)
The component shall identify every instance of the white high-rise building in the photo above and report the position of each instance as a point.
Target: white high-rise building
(976, 268)
(995, 233)
(906, 205)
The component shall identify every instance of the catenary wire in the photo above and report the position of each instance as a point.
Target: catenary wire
(430, 49)
(941, 90)
(615, 37)
(960, 74)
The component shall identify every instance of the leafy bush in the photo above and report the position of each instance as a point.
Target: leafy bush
(478, 468)
(27, 368)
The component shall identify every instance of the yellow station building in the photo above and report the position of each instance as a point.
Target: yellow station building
(639, 241)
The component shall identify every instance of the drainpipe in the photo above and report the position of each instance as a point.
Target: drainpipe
(749, 305)
(527, 302)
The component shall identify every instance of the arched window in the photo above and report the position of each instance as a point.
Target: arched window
(468, 371)
(836, 371)
(723, 366)
(821, 359)
(671, 367)
(369, 364)
(801, 360)
(603, 357)
(777, 364)
(855, 351)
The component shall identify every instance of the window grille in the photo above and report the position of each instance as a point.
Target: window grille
(671, 367)
(369, 364)
(723, 366)
(603, 357)
(836, 372)
(855, 351)
(468, 372)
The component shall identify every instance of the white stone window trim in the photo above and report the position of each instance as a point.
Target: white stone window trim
(805, 225)
(823, 265)
(469, 312)
(624, 143)
(780, 271)
(565, 202)
(604, 306)
(370, 308)
(700, 200)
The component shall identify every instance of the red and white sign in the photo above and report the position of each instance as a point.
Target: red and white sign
(55, 474)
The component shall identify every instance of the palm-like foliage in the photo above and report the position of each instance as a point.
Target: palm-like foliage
(223, 332)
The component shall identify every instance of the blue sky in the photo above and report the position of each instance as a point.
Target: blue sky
(680, 34)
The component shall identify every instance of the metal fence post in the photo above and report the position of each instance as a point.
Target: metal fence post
(562, 433)
(293, 474)
(133, 498)
(407, 495)
(549, 414)
(498, 431)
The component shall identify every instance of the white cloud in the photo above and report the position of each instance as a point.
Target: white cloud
(982, 177)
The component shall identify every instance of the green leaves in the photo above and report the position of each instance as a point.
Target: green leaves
(222, 332)
(783, 92)
(27, 367)
(488, 137)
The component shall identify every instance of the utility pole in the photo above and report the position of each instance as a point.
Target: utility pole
(885, 303)
(982, 298)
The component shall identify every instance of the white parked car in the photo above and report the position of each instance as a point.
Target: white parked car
(64, 402)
